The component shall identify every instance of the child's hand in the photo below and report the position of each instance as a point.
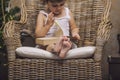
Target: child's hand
(76, 36)
(50, 20)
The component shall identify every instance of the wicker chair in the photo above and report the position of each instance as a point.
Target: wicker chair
(92, 17)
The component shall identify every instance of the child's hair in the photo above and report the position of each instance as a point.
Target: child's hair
(52, 1)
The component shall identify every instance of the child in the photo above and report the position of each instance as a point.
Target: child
(56, 11)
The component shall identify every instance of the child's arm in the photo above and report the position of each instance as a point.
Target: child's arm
(74, 29)
(42, 28)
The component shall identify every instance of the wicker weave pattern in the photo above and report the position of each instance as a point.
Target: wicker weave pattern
(92, 18)
(57, 70)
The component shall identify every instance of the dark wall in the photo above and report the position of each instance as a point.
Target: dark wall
(112, 45)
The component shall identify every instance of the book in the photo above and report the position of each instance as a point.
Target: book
(46, 40)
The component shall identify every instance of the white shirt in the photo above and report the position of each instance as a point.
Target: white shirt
(62, 21)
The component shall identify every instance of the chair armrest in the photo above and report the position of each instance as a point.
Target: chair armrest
(103, 32)
(103, 36)
(11, 35)
(99, 49)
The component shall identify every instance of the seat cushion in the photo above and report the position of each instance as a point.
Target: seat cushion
(32, 52)
(82, 52)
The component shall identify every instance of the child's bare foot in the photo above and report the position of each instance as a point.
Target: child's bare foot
(50, 48)
(58, 45)
(65, 48)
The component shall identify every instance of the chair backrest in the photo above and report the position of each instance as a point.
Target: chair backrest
(88, 15)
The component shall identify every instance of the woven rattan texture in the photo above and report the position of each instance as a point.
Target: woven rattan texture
(55, 69)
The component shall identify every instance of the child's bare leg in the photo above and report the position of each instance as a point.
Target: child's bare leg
(65, 48)
(58, 45)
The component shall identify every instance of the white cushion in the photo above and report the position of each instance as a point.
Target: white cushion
(32, 52)
(82, 52)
